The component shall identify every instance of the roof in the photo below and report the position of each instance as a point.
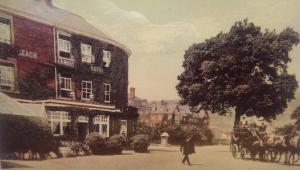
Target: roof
(44, 12)
(11, 106)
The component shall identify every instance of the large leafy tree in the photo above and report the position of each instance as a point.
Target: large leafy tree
(296, 116)
(244, 70)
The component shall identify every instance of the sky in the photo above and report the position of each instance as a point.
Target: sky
(159, 31)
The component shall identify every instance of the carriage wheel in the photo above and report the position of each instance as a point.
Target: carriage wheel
(234, 150)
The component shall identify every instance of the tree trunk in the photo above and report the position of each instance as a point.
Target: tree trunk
(237, 117)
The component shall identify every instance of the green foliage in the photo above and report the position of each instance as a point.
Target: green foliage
(140, 143)
(34, 86)
(245, 69)
(23, 133)
(296, 116)
(99, 145)
(95, 142)
(7, 50)
(288, 130)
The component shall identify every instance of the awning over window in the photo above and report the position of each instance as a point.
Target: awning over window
(10, 105)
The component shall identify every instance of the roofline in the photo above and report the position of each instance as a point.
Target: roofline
(41, 20)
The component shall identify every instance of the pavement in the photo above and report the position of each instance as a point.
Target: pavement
(159, 158)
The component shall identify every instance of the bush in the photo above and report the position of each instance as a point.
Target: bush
(140, 143)
(95, 142)
(79, 147)
(23, 133)
(99, 145)
(113, 145)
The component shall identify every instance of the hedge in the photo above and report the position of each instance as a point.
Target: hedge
(140, 143)
(24, 133)
(99, 145)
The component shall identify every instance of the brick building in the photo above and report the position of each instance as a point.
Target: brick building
(57, 59)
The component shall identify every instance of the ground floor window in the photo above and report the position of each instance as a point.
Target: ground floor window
(102, 125)
(60, 122)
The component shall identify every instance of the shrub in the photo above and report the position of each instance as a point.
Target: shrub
(79, 147)
(140, 143)
(113, 145)
(95, 142)
(23, 133)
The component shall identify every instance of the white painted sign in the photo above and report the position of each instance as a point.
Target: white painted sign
(28, 54)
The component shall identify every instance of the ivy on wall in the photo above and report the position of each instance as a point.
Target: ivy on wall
(34, 86)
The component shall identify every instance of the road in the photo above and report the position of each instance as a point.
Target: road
(159, 158)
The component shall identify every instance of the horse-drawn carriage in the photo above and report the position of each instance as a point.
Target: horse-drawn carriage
(251, 142)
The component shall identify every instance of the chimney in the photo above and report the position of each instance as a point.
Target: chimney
(132, 93)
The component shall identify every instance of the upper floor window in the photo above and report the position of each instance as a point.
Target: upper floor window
(5, 32)
(65, 85)
(86, 53)
(86, 90)
(107, 90)
(7, 77)
(64, 46)
(106, 58)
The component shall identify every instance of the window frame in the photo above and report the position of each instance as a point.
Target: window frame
(10, 25)
(86, 57)
(11, 65)
(61, 42)
(85, 90)
(100, 120)
(60, 117)
(65, 78)
(106, 55)
(107, 93)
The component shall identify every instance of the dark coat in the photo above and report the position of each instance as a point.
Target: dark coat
(187, 147)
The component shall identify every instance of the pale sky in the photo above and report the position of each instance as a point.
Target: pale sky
(159, 31)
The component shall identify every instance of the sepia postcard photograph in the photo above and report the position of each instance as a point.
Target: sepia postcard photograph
(149, 84)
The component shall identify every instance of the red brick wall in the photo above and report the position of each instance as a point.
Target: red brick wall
(34, 37)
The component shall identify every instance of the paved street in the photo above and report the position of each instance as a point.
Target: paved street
(160, 158)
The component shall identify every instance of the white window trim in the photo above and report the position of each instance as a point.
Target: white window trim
(106, 55)
(66, 78)
(13, 84)
(86, 57)
(10, 18)
(59, 47)
(107, 93)
(83, 81)
(99, 121)
(63, 117)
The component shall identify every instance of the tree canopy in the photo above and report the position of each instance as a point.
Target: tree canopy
(244, 69)
(296, 116)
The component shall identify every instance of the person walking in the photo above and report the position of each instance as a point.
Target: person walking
(187, 148)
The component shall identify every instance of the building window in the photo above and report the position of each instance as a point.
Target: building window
(65, 87)
(107, 90)
(106, 58)
(5, 31)
(60, 122)
(86, 90)
(102, 125)
(7, 77)
(64, 46)
(86, 53)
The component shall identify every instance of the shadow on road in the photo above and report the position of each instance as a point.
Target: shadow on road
(7, 165)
